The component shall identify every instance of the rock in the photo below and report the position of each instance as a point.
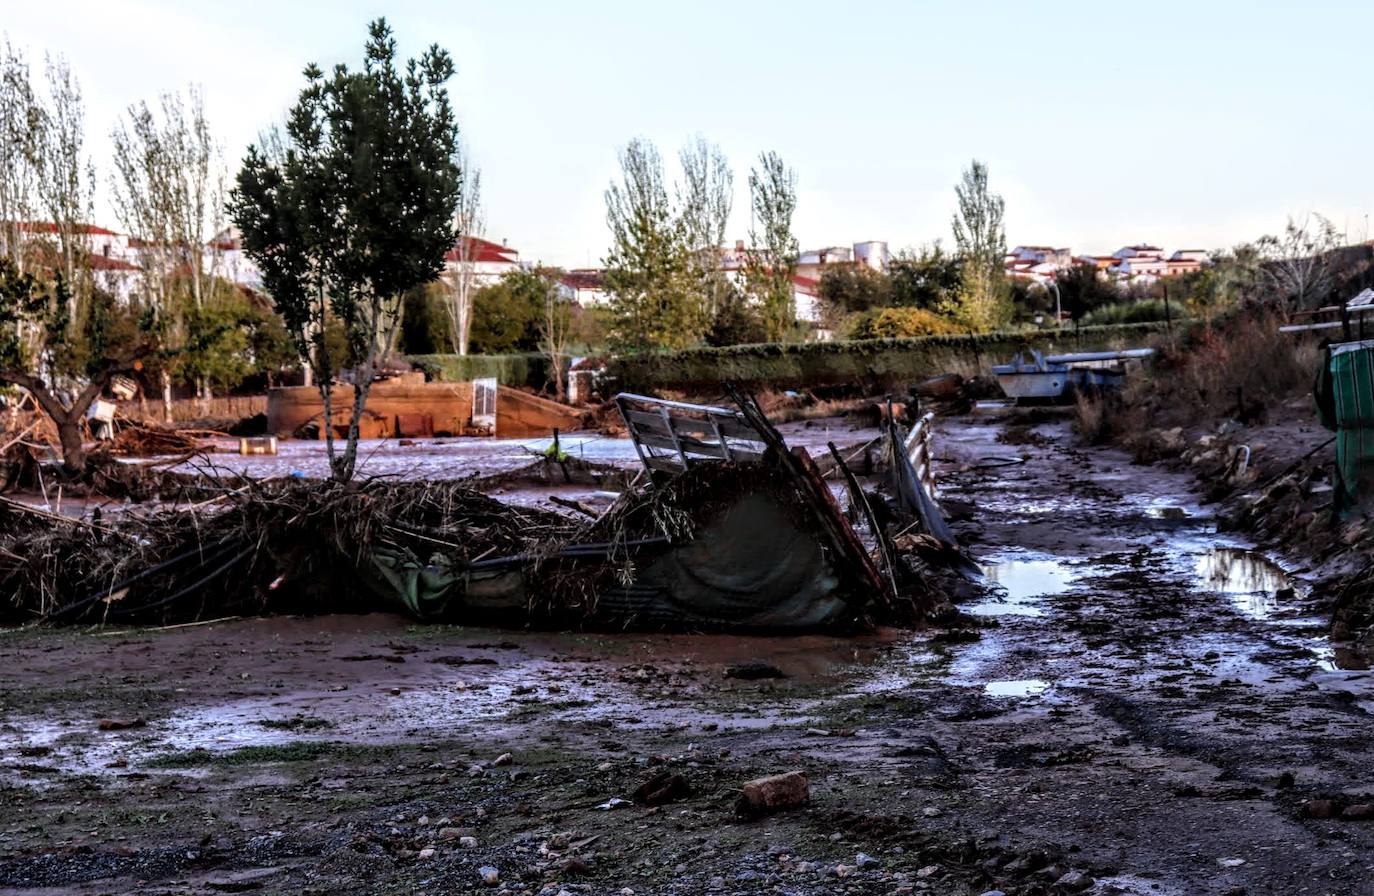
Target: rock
(120, 724)
(817, 732)
(1285, 781)
(490, 876)
(1358, 812)
(993, 893)
(467, 842)
(1230, 863)
(753, 670)
(614, 802)
(663, 787)
(449, 833)
(747, 875)
(844, 870)
(864, 860)
(777, 793)
(426, 854)
(946, 386)
(931, 812)
(1074, 882)
(716, 882)
(806, 867)
(503, 759)
(928, 871)
(1318, 809)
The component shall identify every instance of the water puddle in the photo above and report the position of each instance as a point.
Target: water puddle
(1021, 584)
(1019, 687)
(1257, 586)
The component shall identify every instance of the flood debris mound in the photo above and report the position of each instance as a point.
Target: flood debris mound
(753, 540)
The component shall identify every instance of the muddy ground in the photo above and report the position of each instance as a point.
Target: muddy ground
(1148, 711)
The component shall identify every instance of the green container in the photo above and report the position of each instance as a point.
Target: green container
(1345, 400)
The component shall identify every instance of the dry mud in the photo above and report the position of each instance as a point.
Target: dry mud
(1148, 711)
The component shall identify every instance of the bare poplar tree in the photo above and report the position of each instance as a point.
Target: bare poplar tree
(773, 249)
(981, 240)
(169, 193)
(460, 277)
(66, 179)
(706, 198)
(1299, 266)
(648, 268)
(556, 333)
(20, 127)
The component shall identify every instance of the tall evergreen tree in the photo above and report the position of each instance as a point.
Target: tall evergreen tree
(354, 206)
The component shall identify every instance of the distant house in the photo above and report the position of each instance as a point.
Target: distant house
(490, 261)
(585, 286)
(806, 295)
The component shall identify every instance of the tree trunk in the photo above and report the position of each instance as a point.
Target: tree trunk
(166, 396)
(73, 448)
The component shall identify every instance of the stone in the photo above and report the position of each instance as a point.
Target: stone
(776, 793)
(662, 787)
(864, 860)
(467, 842)
(1358, 812)
(503, 759)
(1074, 882)
(1230, 863)
(753, 671)
(490, 875)
(1318, 809)
(716, 882)
(426, 853)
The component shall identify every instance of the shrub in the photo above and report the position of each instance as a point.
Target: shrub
(1131, 313)
(900, 323)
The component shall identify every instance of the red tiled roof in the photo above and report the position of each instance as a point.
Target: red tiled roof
(583, 278)
(105, 263)
(480, 250)
(50, 227)
(807, 285)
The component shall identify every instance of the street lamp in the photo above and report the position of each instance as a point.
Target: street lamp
(1058, 313)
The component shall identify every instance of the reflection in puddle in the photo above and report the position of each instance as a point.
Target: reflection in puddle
(1021, 687)
(1022, 583)
(1255, 583)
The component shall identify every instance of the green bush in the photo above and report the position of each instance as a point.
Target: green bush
(529, 369)
(1145, 311)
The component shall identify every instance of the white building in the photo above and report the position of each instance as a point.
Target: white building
(490, 261)
(585, 286)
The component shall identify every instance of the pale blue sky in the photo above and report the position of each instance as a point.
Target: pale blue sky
(1189, 124)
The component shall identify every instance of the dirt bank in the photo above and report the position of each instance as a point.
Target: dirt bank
(1150, 709)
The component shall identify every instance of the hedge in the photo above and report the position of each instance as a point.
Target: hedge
(531, 369)
(886, 362)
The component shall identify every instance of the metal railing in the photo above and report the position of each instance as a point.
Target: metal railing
(919, 453)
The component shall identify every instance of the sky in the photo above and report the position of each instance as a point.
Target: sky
(1190, 125)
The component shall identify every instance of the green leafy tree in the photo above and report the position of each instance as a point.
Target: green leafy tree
(351, 208)
(63, 361)
(1083, 289)
(649, 268)
(929, 278)
(426, 327)
(983, 303)
(849, 288)
(506, 314)
(773, 251)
